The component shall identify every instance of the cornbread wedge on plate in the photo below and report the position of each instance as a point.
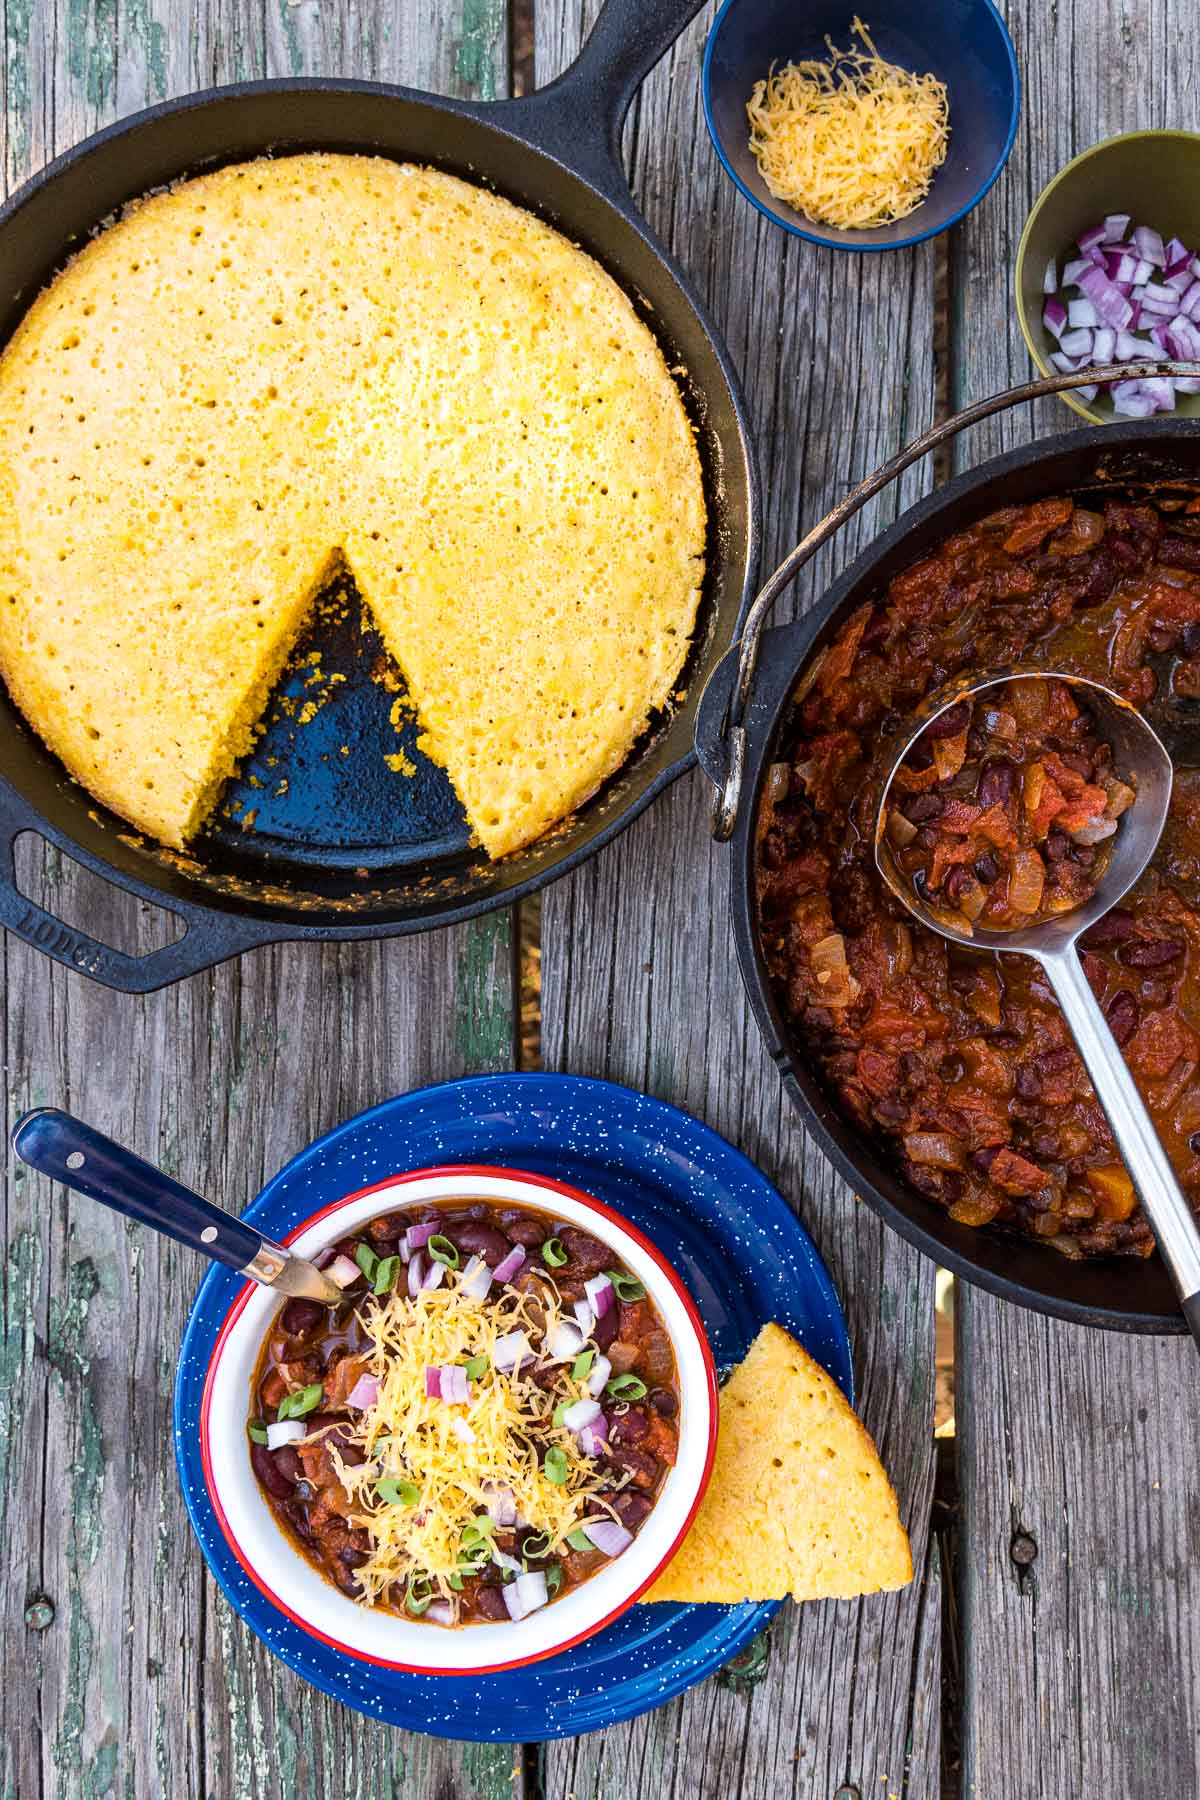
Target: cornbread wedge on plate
(288, 366)
(798, 1502)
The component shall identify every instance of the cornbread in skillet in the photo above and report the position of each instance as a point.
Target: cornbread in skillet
(798, 1503)
(286, 365)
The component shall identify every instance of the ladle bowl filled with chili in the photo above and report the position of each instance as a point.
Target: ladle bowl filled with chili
(488, 1449)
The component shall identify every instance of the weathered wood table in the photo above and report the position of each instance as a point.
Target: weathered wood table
(1049, 1643)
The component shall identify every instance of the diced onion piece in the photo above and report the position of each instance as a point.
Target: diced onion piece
(476, 1279)
(417, 1236)
(441, 1612)
(564, 1340)
(1055, 317)
(503, 1560)
(599, 1290)
(1027, 881)
(585, 1318)
(779, 780)
(971, 899)
(285, 1431)
(594, 1437)
(835, 984)
(1050, 278)
(510, 1351)
(1082, 312)
(1115, 227)
(525, 1595)
(934, 1149)
(581, 1413)
(510, 1265)
(950, 754)
(999, 724)
(433, 1383)
(1087, 240)
(1148, 244)
(324, 1257)
(456, 1388)
(434, 1276)
(343, 1271)
(462, 1430)
(901, 831)
(1093, 831)
(501, 1502)
(364, 1393)
(1120, 798)
(597, 1377)
(608, 1535)
(416, 1274)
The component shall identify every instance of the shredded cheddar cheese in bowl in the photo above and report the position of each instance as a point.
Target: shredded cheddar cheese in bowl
(433, 1467)
(853, 142)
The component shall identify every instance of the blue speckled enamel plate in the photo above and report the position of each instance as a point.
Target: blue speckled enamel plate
(741, 1252)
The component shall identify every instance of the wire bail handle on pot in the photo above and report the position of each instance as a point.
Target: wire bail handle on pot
(732, 734)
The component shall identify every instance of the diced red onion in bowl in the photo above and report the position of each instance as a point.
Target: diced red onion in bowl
(585, 1318)
(501, 1502)
(525, 1595)
(434, 1276)
(581, 1413)
(510, 1265)
(476, 1279)
(593, 1439)
(324, 1257)
(285, 1431)
(601, 1298)
(510, 1351)
(462, 1430)
(441, 1612)
(416, 1274)
(597, 1376)
(1126, 297)
(364, 1393)
(417, 1236)
(564, 1340)
(608, 1536)
(343, 1271)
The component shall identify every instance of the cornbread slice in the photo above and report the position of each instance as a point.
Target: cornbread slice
(799, 1502)
(292, 363)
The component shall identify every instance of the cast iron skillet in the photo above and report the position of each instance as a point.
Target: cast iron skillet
(741, 718)
(337, 857)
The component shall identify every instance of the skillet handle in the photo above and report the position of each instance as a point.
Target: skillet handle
(578, 117)
(724, 759)
(209, 939)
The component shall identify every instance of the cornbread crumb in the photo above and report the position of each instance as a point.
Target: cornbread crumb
(293, 367)
(798, 1503)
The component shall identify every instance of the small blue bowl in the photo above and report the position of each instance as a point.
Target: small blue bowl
(963, 42)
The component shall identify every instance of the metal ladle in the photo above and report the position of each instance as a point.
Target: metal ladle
(1140, 759)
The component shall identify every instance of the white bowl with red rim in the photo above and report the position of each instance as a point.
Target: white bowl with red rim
(291, 1583)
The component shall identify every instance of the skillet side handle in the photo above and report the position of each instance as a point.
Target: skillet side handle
(578, 117)
(209, 939)
(728, 756)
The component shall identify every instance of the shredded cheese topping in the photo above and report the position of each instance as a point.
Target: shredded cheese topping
(852, 142)
(411, 1437)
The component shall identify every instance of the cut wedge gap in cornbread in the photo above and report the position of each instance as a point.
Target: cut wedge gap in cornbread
(798, 1502)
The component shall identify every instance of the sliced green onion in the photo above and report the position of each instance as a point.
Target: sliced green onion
(626, 1287)
(418, 1595)
(554, 1579)
(626, 1387)
(582, 1364)
(385, 1274)
(304, 1400)
(477, 1367)
(556, 1465)
(442, 1250)
(400, 1493)
(478, 1534)
(456, 1582)
(536, 1544)
(559, 1412)
(258, 1431)
(579, 1540)
(554, 1253)
(367, 1260)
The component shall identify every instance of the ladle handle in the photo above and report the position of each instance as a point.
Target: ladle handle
(1165, 1203)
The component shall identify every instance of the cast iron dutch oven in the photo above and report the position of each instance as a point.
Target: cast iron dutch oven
(347, 858)
(741, 717)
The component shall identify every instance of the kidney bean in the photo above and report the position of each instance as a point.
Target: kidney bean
(628, 1427)
(588, 1253)
(272, 1478)
(1194, 1143)
(889, 1109)
(996, 782)
(664, 1402)
(287, 1461)
(638, 1463)
(986, 868)
(352, 1558)
(1052, 1062)
(489, 1603)
(927, 838)
(1058, 845)
(982, 1160)
(949, 723)
(1029, 1082)
(605, 1328)
(1150, 953)
(918, 809)
(1122, 1015)
(1113, 928)
(958, 878)
(478, 1239)
(1182, 552)
(300, 1318)
(522, 1229)
(1191, 640)
(632, 1509)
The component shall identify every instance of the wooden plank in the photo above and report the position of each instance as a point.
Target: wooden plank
(1082, 1674)
(124, 1671)
(640, 982)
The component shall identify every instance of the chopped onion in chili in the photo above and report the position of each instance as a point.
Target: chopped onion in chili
(935, 1149)
(285, 1431)
(510, 1351)
(476, 1280)
(581, 1413)
(441, 1612)
(564, 1340)
(585, 1318)
(364, 1393)
(608, 1535)
(510, 1265)
(525, 1595)
(1027, 881)
(598, 1376)
(599, 1290)
(462, 1430)
(343, 1271)
(594, 1437)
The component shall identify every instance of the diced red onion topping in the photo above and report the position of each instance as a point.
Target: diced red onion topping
(1135, 299)
(364, 1393)
(441, 1612)
(608, 1536)
(585, 1318)
(453, 1385)
(510, 1351)
(565, 1340)
(433, 1277)
(285, 1431)
(501, 1502)
(476, 1279)
(504, 1561)
(581, 1413)
(597, 1376)
(462, 1430)
(343, 1271)
(594, 1437)
(525, 1595)
(510, 1265)
(324, 1257)
(599, 1290)
(433, 1383)
(417, 1236)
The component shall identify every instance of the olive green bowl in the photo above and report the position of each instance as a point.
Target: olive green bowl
(1153, 175)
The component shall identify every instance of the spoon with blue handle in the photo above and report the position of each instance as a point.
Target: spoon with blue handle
(71, 1152)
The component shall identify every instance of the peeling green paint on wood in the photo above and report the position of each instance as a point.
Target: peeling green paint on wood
(65, 1340)
(482, 34)
(91, 49)
(16, 1344)
(17, 17)
(152, 36)
(483, 1025)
